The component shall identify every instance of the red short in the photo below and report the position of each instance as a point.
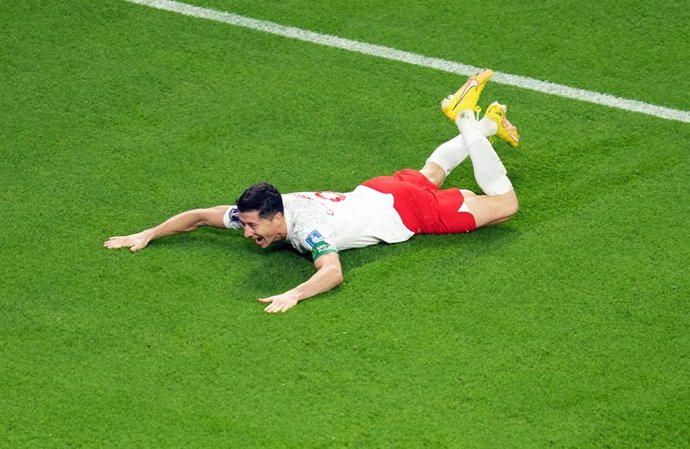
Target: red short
(424, 208)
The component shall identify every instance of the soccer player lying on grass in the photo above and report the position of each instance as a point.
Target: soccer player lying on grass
(389, 208)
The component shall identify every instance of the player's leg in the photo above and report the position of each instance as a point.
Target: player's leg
(444, 159)
(488, 210)
(499, 202)
(467, 193)
(452, 153)
(489, 171)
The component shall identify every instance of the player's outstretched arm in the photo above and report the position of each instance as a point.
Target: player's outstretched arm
(329, 275)
(184, 222)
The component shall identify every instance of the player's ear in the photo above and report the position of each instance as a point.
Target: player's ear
(278, 218)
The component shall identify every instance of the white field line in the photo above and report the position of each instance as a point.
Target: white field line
(416, 59)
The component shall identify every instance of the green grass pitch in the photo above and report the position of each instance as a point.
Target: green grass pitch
(566, 327)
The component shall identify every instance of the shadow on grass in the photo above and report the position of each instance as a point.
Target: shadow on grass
(423, 247)
(264, 272)
(271, 270)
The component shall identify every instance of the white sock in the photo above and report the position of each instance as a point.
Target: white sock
(489, 171)
(450, 154)
(488, 127)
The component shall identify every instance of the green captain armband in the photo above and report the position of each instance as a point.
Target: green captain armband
(321, 248)
(318, 245)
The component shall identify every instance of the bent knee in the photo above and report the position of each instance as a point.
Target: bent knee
(488, 210)
(511, 205)
(507, 207)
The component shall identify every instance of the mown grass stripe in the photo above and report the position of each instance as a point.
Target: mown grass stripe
(417, 59)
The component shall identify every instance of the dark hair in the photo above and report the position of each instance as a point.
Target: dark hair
(263, 198)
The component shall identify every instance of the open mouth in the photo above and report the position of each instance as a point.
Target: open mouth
(259, 240)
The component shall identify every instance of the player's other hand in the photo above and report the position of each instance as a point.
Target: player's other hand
(280, 303)
(134, 242)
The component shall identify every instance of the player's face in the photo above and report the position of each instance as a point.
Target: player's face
(262, 230)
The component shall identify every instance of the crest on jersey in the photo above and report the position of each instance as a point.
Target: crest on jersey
(313, 238)
(318, 245)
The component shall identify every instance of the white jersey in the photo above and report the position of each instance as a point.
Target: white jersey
(324, 222)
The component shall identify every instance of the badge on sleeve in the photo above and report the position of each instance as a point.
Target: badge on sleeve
(318, 245)
(231, 219)
(235, 215)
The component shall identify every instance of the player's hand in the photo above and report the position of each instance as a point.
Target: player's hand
(134, 242)
(280, 303)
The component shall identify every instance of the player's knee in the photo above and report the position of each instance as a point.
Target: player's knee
(510, 205)
(489, 210)
(434, 173)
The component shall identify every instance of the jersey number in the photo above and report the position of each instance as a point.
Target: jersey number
(331, 196)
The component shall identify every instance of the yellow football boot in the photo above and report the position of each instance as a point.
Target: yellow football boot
(496, 112)
(467, 96)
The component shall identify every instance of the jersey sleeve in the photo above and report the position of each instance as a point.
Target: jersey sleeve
(318, 245)
(231, 219)
(316, 238)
